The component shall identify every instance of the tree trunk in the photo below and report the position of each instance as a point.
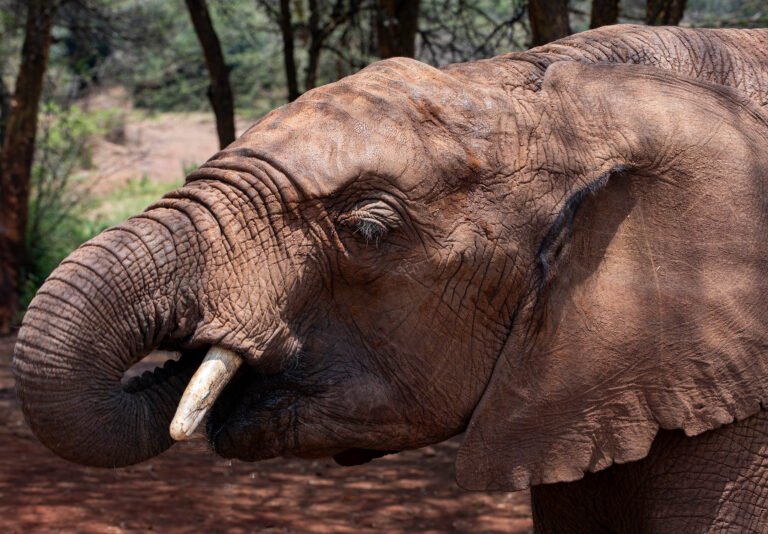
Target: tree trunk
(604, 13)
(17, 153)
(396, 26)
(341, 12)
(315, 46)
(664, 12)
(219, 90)
(549, 20)
(289, 59)
(5, 109)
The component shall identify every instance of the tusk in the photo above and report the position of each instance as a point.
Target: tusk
(214, 373)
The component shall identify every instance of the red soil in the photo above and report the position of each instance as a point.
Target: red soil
(188, 489)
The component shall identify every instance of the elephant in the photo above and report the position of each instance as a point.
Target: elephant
(559, 254)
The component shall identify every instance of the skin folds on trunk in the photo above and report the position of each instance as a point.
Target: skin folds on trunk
(104, 308)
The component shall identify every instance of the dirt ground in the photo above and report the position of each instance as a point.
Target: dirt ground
(188, 489)
(159, 147)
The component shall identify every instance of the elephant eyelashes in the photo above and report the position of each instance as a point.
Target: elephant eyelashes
(370, 222)
(370, 230)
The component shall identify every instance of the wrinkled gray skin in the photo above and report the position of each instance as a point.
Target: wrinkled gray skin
(559, 252)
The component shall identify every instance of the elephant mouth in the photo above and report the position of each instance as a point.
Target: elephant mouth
(252, 404)
(254, 417)
(225, 395)
(161, 366)
(178, 361)
(219, 392)
(263, 406)
(245, 399)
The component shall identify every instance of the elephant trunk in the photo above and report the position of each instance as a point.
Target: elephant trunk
(103, 309)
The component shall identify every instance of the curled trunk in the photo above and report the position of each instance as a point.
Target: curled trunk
(107, 306)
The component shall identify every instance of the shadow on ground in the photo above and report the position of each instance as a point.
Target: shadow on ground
(188, 489)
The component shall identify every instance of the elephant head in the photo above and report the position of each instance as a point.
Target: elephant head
(557, 267)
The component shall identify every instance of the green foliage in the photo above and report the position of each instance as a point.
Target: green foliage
(53, 227)
(151, 47)
(456, 30)
(43, 255)
(134, 197)
(169, 73)
(63, 212)
(11, 24)
(727, 13)
(188, 168)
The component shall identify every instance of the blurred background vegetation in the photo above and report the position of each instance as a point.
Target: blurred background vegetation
(118, 78)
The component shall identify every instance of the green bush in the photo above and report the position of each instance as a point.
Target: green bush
(122, 203)
(64, 227)
(57, 193)
(63, 213)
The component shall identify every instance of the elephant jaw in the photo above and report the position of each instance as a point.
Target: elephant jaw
(214, 373)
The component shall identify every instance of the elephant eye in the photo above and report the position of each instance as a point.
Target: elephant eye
(369, 229)
(370, 222)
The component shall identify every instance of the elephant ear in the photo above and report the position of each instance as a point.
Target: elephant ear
(650, 300)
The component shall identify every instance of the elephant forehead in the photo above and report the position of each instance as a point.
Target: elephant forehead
(409, 130)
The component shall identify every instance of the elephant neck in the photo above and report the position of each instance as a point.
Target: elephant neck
(685, 484)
